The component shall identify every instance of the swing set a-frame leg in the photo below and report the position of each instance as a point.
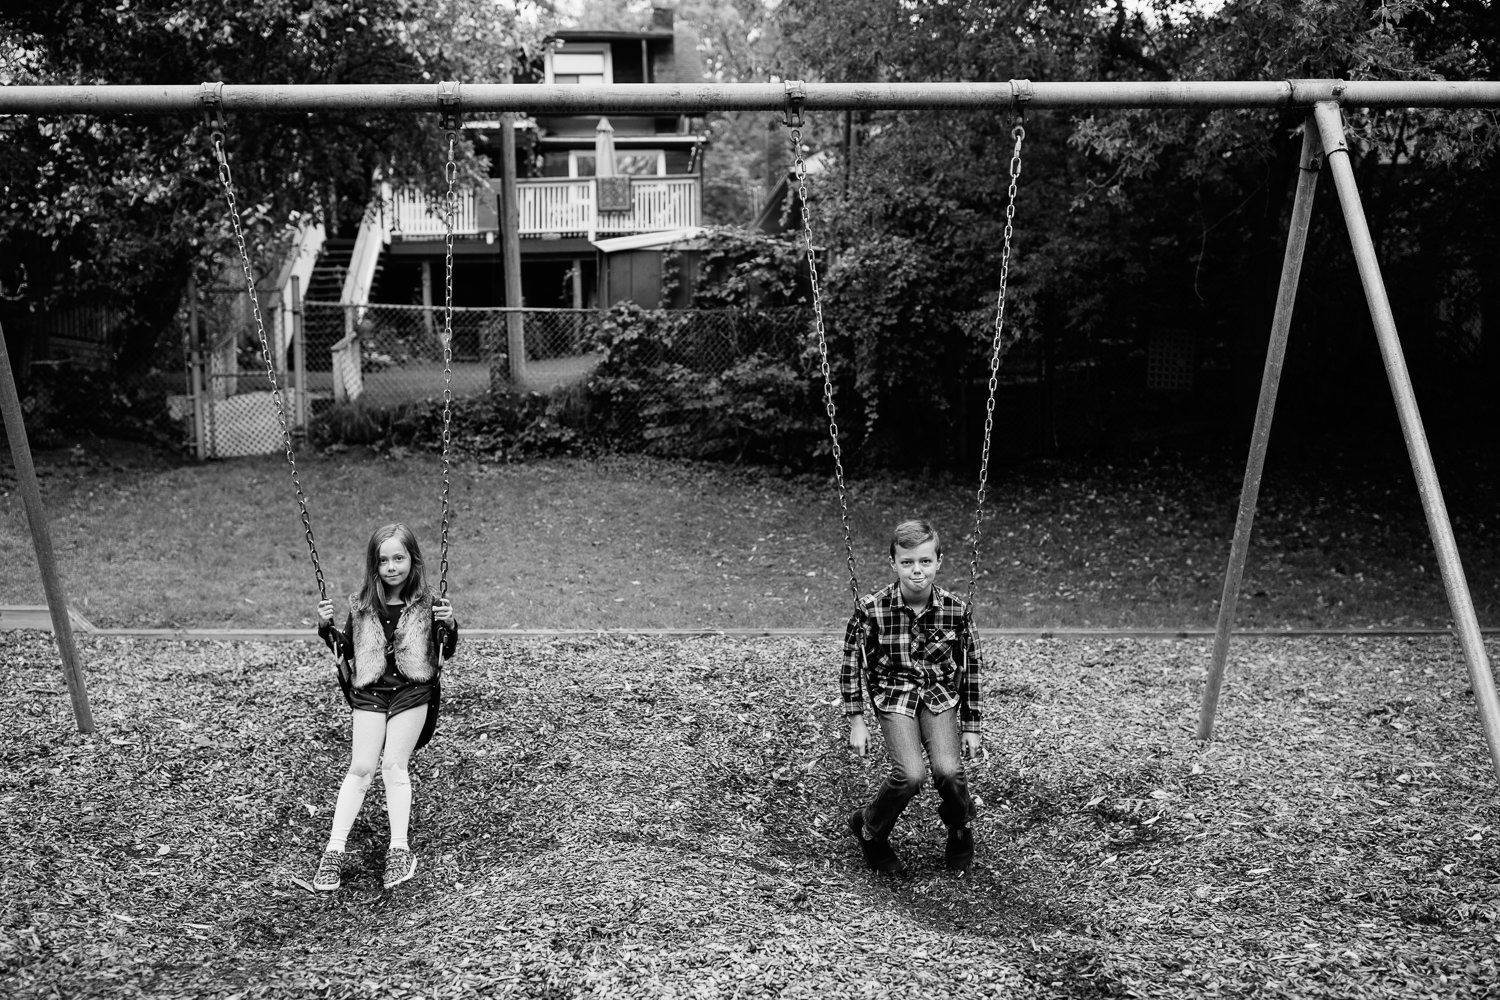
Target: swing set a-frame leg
(1328, 122)
(1291, 269)
(31, 495)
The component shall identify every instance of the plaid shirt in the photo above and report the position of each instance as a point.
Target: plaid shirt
(911, 658)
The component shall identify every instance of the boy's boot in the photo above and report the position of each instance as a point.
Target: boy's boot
(877, 850)
(959, 853)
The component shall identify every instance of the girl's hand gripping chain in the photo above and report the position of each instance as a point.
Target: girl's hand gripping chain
(442, 611)
(859, 735)
(325, 611)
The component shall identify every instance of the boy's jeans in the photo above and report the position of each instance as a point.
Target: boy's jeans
(904, 740)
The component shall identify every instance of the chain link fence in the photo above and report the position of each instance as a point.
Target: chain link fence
(709, 382)
(725, 383)
(229, 407)
(378, 357)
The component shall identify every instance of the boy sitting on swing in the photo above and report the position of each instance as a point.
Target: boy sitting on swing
(916, 641)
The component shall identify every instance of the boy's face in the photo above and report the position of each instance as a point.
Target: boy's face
(916, 568)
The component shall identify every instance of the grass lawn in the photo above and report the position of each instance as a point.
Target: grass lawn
(625, 542)
(625, 815)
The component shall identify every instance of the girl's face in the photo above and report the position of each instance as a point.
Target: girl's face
(395, 565)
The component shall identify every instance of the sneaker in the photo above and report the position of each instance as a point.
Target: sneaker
(330, 871)
(877, 850)
(400, 865)
(960, 851)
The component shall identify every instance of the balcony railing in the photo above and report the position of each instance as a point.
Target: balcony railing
(413, 215)
(560, 207)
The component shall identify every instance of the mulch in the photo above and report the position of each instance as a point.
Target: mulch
(629, 816)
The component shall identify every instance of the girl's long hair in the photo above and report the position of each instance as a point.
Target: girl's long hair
(373, 590)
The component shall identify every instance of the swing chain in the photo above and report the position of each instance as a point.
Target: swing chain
(799, 172)
(227, 179)
(1019, 134)
(450, 209)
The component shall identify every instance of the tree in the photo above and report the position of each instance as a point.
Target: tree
(1426, 177)
(119, 208)
(1131, 222)
(737, 42)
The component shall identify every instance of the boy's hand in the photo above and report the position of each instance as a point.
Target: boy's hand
(859, 735)
(974, 746)
(442, 610)
(325, 611)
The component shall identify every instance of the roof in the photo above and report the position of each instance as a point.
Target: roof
(648, 241)
(585, 35)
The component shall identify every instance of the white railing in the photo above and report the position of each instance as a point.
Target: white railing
(363, 264)
(415, 216)
(658, 203)
(556, 206)
(562, 206)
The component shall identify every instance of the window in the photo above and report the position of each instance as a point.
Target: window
(580, 64)
(631, 163)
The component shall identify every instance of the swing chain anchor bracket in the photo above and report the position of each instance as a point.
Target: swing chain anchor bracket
(211, 98)
(796, 93)
(1021, 94)
(448, 105)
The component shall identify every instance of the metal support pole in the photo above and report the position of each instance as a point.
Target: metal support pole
(699, 98)
(46, 561)
(1281, 321)
(1465, 623)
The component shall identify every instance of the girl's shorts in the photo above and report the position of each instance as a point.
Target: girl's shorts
(388, 699)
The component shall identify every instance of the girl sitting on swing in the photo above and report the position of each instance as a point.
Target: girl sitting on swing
(390, 653)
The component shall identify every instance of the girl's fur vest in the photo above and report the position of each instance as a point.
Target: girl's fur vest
(413, 643)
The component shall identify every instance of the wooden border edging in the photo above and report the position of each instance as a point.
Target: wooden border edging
(309, 635)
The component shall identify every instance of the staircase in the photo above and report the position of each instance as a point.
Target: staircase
(327, 281)
(325, 327)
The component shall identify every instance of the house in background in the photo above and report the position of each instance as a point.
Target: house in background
(594, 227)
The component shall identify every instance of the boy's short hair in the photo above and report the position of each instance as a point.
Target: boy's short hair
(910, 534)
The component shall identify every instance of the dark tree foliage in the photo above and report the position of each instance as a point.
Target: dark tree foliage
(114, 210)
(1133, 223)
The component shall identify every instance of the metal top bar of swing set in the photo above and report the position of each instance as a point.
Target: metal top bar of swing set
(689, 98)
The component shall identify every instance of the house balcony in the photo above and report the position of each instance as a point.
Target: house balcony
(555, 207)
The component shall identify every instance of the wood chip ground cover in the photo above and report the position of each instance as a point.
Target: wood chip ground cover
(621, 816)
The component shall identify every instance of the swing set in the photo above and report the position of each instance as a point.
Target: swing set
(1323, 148)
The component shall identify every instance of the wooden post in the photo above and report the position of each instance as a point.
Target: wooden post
(301, 404)
(510, 251)
(36, 515)
(427, 320)
(195, 355)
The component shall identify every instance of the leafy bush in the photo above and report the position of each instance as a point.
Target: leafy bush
(59, 403)
(727, 384)
(739, 268)
(498, 426)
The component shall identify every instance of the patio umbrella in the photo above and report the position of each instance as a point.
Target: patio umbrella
(614, 190)
(604, 149)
